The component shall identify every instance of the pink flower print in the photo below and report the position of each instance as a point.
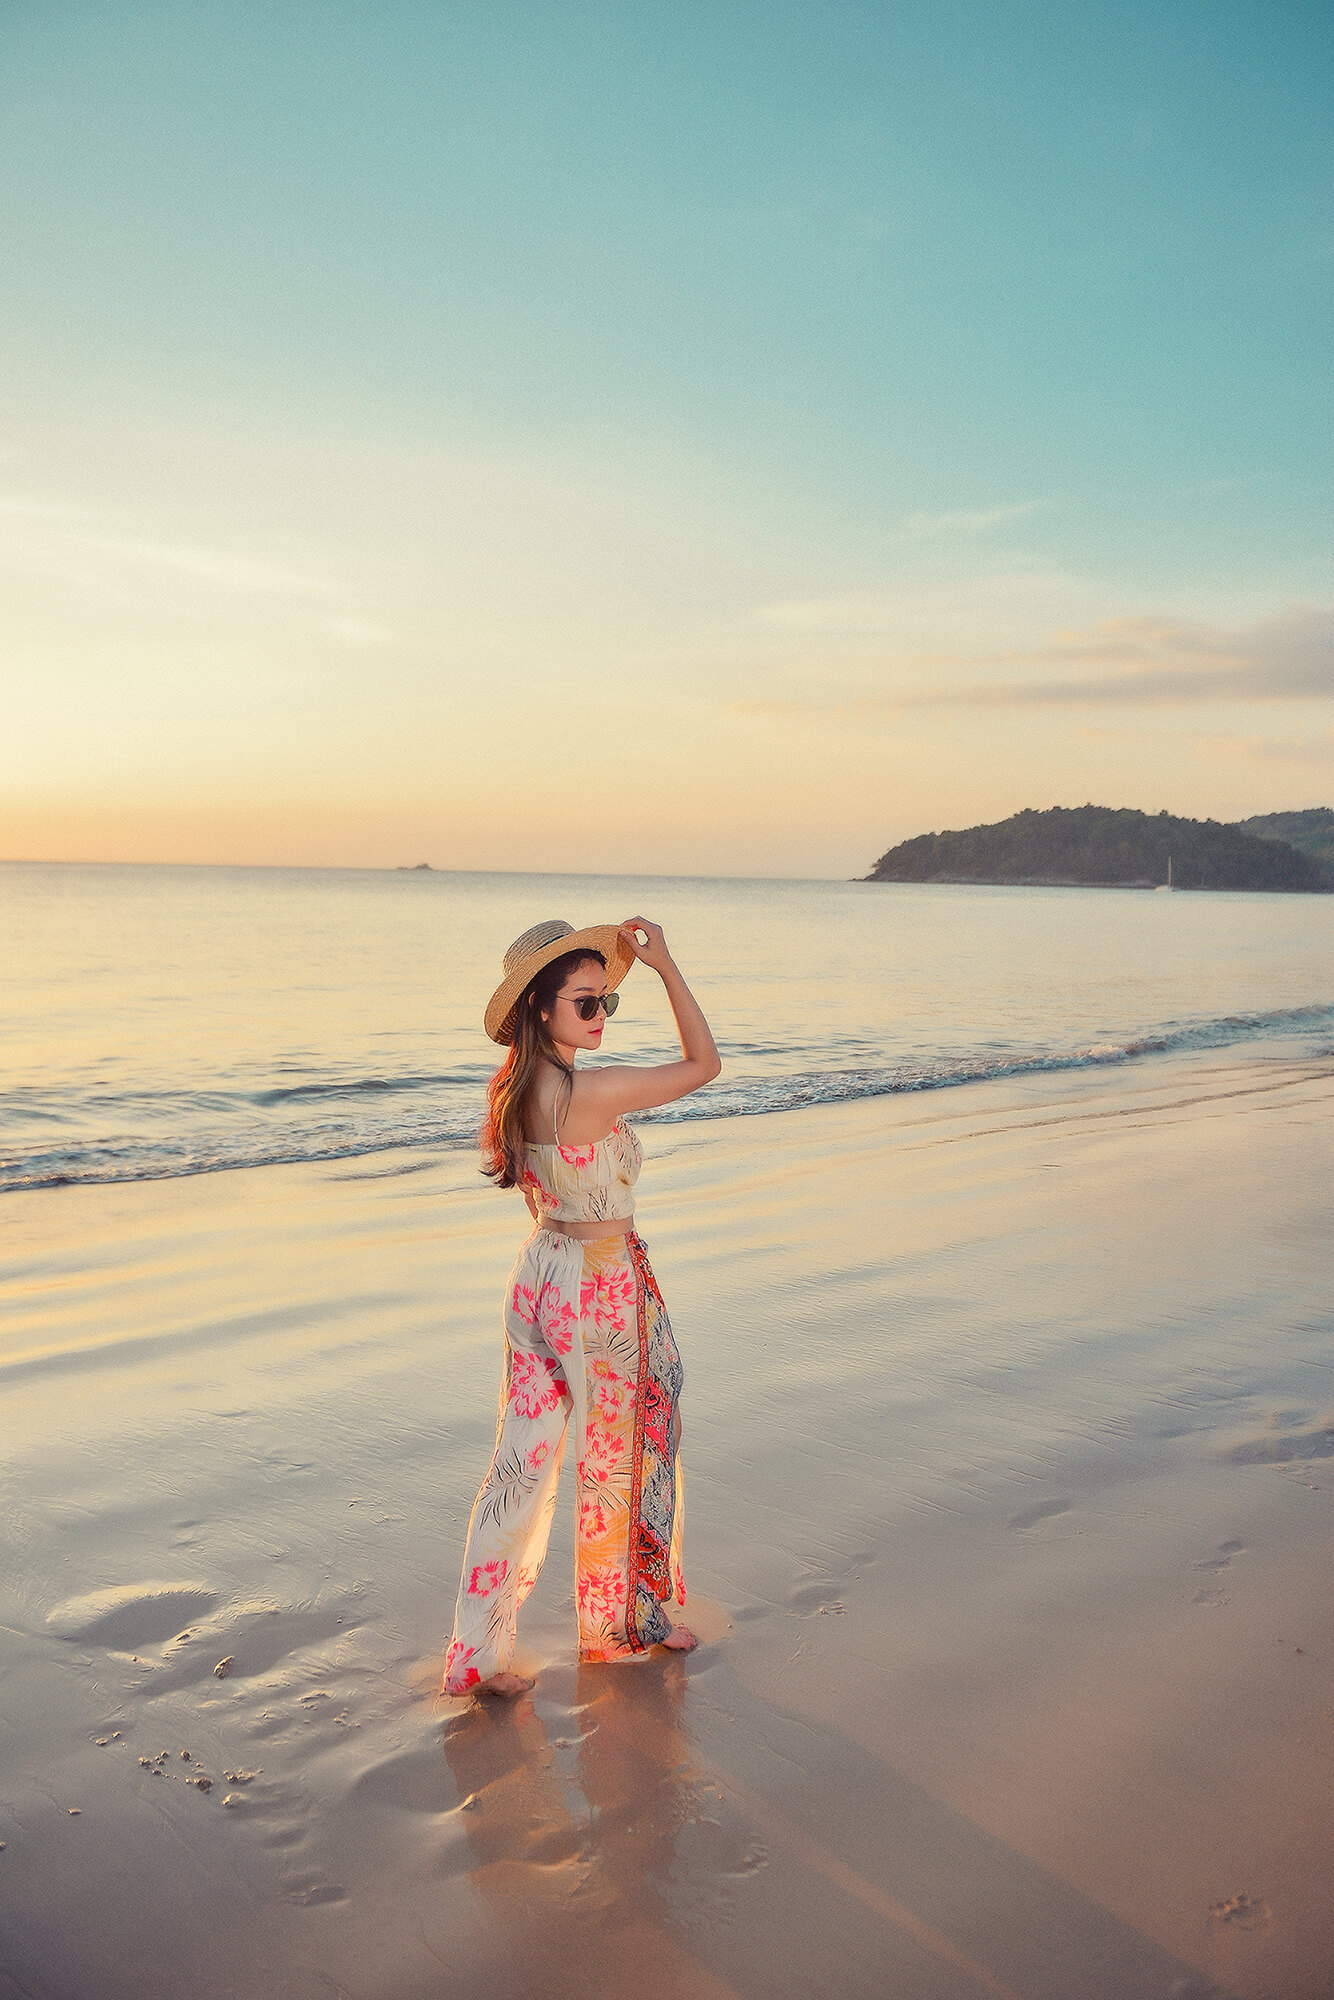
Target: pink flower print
(605, 1297)
(458, 1674)
(556, 1318)
(577, 1156)
(525, 1304)
(601, 1592)
(545, 1198)
(487, 1577)
(593, 1518)
(538, 1456)
(602, 1456)
(536, 1383)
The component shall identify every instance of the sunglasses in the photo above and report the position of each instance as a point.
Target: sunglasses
(586, 1006)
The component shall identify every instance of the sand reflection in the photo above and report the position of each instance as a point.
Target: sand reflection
(573, 1822)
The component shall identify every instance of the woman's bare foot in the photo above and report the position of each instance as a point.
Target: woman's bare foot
(506, 1684)
(680, 1640)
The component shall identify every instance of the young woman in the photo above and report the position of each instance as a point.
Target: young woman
(587, 1337)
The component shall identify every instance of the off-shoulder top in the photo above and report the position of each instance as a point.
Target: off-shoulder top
(585, 1183)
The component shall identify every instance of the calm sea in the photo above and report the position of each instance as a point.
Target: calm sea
(163, 1021)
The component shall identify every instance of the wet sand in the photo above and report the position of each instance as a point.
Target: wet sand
(1008, 1425)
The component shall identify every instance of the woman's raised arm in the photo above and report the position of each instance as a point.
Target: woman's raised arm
(623, 1087)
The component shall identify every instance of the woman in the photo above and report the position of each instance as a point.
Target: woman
(586, 1333)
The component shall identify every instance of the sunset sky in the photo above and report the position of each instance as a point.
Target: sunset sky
(702, 437)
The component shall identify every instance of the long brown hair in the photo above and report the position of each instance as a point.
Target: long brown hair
(507, 1092)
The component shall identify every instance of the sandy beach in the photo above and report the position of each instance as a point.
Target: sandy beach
(1009, 1414)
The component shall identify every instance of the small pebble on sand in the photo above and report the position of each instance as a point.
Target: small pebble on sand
(204, 1784)
(1249, 1913)
(234, 1799)
(74, 1811)
(185, 1756)
(224, 1667)
(240, 1777)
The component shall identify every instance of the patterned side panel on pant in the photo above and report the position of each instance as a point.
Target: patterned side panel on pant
(654, 1485)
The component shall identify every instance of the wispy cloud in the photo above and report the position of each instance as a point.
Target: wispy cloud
(967, 521)
(1160, 660)
(1268, 749)
(1147, 662)
(913, 607)
(223, 568)
(73, 543)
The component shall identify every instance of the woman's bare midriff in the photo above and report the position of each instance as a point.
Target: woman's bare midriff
(589, 1232)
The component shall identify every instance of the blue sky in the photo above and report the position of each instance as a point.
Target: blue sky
(856, 418)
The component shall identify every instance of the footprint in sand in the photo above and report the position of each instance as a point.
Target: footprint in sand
(310, 1893)
(130, 1616)
(817, 1600)
(1222, 1556)
(415, 1781)
(1044, 1510)
(1281, 1447)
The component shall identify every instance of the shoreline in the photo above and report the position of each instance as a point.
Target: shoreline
(1007, 1415)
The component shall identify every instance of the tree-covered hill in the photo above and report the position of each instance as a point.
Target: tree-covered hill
(1104, 847)
(1310, 832)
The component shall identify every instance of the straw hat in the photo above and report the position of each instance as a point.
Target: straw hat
(536, 948)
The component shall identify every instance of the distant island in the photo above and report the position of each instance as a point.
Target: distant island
(417, 868)
(1110, 848)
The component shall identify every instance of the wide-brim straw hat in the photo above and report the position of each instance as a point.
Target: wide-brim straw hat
(536, 948)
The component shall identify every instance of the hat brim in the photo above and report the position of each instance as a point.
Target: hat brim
(605, 938)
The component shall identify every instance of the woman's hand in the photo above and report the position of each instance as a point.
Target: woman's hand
(654, 952)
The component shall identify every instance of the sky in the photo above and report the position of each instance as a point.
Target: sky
(701, 438)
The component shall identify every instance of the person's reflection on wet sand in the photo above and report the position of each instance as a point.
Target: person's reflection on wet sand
(572, 1850)
(636, 1777)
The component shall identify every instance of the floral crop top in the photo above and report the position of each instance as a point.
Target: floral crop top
(585, 1183)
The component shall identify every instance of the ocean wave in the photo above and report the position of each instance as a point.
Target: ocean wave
(448, 1112)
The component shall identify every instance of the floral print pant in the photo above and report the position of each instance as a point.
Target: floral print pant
(588, 1344)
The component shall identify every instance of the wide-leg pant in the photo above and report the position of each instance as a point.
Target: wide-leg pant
(588, 1345)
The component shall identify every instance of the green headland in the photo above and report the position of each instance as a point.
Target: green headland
(1111, 848)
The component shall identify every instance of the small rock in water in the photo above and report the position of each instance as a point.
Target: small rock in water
(234, 1799)
(240, 1777)
(147, 1763)
(74, 1811)
(185, 1756)
(224, 1667)
(101, 1741)
(204, 1784)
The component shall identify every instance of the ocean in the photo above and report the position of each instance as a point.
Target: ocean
(165, 1021)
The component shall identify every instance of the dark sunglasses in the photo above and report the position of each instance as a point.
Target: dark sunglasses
(586, 1006)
